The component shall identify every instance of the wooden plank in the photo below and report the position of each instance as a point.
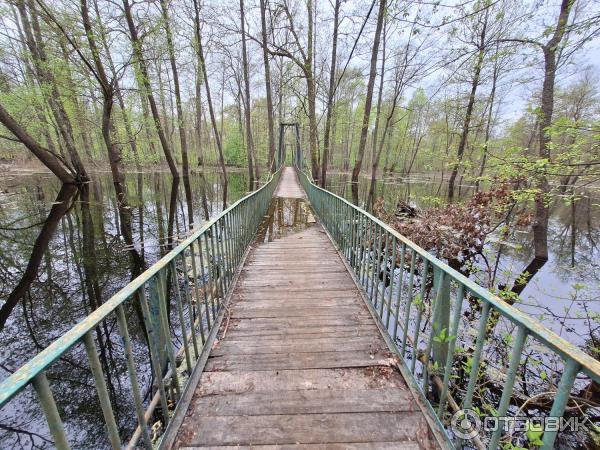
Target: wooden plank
(298, 311)
(280, 270)
(256, 300)
(288, 361)
(313, 261)
(281, 295)
(360, 343)
(306, 401)
(292, 316)
(307, 237)
(294, 338)
(301, 244)
(284, 245)
(300, 284)
(291, 267)
(377, 377)
(319, 248)
(276, 293)
(281, 333)
(307, 428)
(328, 446)
(289, 256)
(282, 303)
(338, 275)
(311, 283)
(315, 287)
(346, 305)
(300, 247)
(284, 323)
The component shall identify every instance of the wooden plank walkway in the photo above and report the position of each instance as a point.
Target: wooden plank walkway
(288, 186)
(299, 361)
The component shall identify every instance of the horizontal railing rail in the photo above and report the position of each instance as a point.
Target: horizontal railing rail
(178, 299)
(442, 324)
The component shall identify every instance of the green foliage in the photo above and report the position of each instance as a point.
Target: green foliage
(233, 149)
(595, 434)
(443, 337)
(534, 434)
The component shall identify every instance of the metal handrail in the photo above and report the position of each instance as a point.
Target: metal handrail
(211, 256)
(370, 247)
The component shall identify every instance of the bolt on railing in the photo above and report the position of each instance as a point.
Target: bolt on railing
(195, 277)
(426, 308)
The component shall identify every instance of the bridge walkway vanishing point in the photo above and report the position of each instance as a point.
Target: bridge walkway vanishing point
(299, 360)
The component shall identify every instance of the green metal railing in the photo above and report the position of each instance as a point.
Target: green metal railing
(180, 297)
(426, 308)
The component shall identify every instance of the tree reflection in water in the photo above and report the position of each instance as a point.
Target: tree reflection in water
(60, 261)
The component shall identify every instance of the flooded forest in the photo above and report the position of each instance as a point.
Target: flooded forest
(472, 128)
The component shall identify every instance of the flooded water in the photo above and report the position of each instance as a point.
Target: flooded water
(63, 252)
(285, 216)
(564, 293)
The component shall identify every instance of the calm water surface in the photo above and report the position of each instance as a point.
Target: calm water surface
(62, 254)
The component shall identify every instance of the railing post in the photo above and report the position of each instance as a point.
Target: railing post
(179, 305)
(560, 400)
(450, 355)
(188, 301)
(103, 396)
(507, 389)
(135, 387)
(485, 313)
(164, 319)
(55, 424)
(409, 292)
(399, 294)
(155, 355)
(420, 309)
(154, 327)
(441, 320)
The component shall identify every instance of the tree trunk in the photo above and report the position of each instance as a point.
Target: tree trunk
(180, 118)
(540, 224)
(198, 102)
(367, 112)
(55, 164)
(330, 94)
(247, 101)
(141, 62)
(113, 150)
(375, 155)
(488, 126)
(270, 118)
(119, 94)
(30, 79)
(34, 41)
(311, 92)
(202, 65)
(79, 111)
(469, 112)
(59, 208)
